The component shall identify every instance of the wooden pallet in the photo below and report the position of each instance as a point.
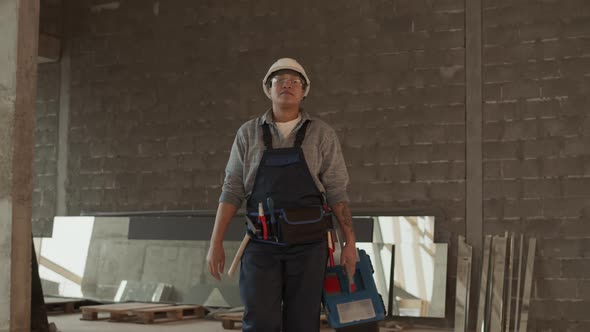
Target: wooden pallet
(55, 305)
(119, 312)
(228, 321)
(168, 313)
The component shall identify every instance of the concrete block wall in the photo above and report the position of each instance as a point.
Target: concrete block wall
(159, 89)
(537, 146)
(50, 17)
(46, 126)
(45, 158)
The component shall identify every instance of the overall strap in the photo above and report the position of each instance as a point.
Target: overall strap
(301, 134)
(266, 136)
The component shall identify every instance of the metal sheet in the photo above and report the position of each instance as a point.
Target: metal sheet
(483, 289)
(510, 275)
(392, 307)
(518, 283)
(138, 291)
(498, 274)
(419, 277)
(528, 284)
(464, 258)
(436, 308)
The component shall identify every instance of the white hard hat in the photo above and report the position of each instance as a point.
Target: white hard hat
(285, 63)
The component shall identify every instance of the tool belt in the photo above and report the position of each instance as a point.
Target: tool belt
(292, 225)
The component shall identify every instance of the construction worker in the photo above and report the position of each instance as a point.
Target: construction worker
(289, 168)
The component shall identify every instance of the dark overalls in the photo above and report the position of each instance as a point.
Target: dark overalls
(281, 285)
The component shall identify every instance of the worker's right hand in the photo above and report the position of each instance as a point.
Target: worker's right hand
(216, 260)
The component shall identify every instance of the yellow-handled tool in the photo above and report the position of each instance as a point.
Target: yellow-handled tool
(239, 253)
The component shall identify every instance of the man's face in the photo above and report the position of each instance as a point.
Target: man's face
(287, 88)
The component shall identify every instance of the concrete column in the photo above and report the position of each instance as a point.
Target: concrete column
(474, 150)
(19, 30)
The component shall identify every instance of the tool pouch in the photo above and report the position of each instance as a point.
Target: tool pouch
(304, 225)
(295, 225)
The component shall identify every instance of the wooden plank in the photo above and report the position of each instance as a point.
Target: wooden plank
(482, 309)
(464, 257)
(50, 299)
(509, 293)
(121, 307)
(497, 291)
(232, 317)
(169, 307)
(528, 284)
(518, 279)
(62, 271)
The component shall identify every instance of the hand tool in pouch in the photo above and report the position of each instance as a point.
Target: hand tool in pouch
(240, 252)
(251, 226)
(262, 220)
(331, 248)
(273, 220)
(351, 284)
(238, 256)
(331, 282)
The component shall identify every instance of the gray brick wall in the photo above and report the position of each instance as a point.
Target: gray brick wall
(50, 14)
(159, 89)
(45, 156)
(536, 151)
(46, 126)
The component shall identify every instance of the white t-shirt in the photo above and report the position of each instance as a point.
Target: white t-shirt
(285, 128)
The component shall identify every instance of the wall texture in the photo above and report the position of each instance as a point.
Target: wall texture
(158, 90)
(46, 126)
(537, 146)
(44, 163)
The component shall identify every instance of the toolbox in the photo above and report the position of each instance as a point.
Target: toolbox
(351, 303)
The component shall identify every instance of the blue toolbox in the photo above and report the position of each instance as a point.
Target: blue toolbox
(351, 303)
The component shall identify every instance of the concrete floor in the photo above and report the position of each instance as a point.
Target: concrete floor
(72, 323)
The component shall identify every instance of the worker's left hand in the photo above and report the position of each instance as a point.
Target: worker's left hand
(348, 258)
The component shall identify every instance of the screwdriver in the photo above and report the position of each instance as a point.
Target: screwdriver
(273, 222)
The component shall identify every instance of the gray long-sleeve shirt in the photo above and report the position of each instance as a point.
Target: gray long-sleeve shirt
(321, 148)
